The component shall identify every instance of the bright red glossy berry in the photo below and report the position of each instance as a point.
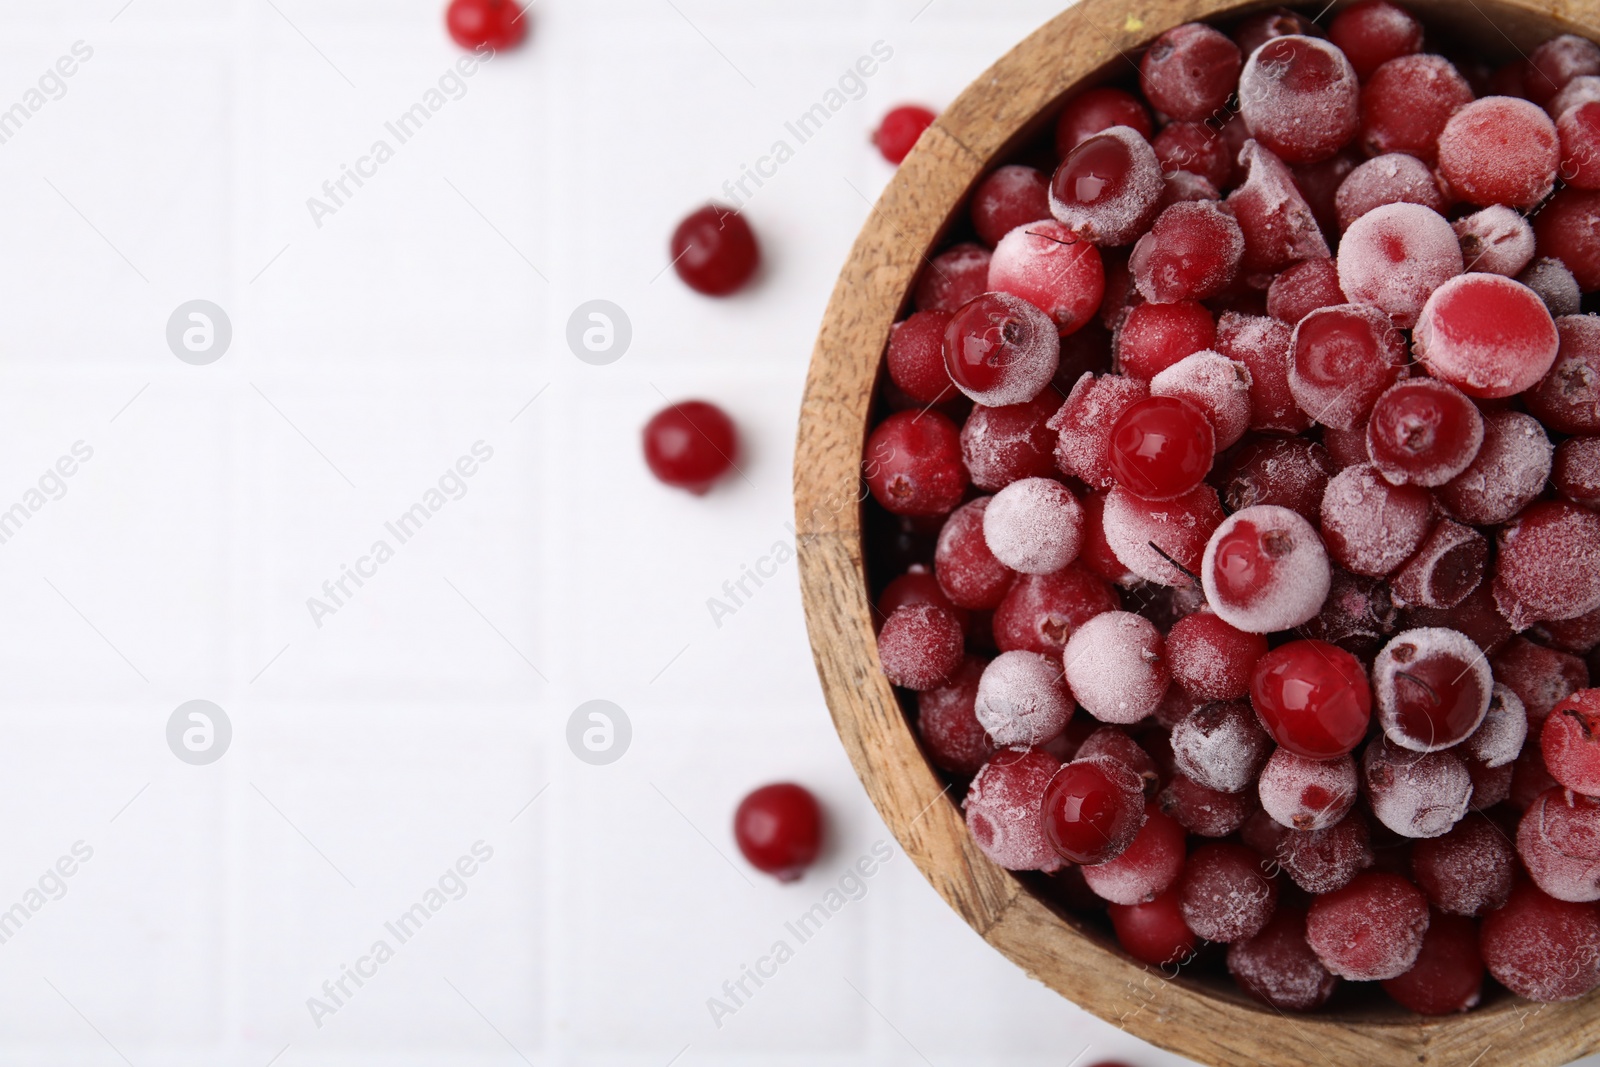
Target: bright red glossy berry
(690, 445)
(913, 464)
(1161, 448)
(1093, 809)
(499, 24)
(1313, 698)
(714, 251)
(779, 829)
(898, 132)
(1154, 932)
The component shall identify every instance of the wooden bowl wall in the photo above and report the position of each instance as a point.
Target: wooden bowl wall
(1213, 1023)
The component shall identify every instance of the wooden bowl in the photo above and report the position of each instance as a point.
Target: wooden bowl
(1212, 1023)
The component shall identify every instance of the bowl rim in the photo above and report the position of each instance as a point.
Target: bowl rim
(1008, 102)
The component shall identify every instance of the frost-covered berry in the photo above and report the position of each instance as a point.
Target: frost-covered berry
(920, 646)
(1508, 472)
(1265, 569)
(1000, 349)
(1496, 240)
(1192, 252)
(1162, 541)
(1487, 335)
(1115, 667)
(1468, 871)
(1415, 795)
(1559, 842)
(1225, 894)
(1221, 746)
(1549, 564)
(1278, 967)
(1499, 150)
(1544, 949)
(1423, 432)
(955, 740)
(1046, 264)
(1370, 526)
(1034, 526)
(1003, 808)
(1432, 687)
(1216, 385)
(1394, 256)
(1300, 98)
(1371, 929)
(1447, 567)
(1306, 794)
(1108, 189)
(1570, 742)
(1344, 358)
(1210, 659)
(1022, 699)
(1321, 861)
(1148, 867)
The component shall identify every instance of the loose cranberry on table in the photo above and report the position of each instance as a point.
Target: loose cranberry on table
(899, 130)
(499, 24)
(690, 445)
(779, 829)
(714, 251)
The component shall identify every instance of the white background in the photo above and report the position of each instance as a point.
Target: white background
(371, 752)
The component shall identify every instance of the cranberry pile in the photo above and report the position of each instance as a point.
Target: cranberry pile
(1235, 525)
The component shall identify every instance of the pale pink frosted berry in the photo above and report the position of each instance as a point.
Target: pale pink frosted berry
(920, 646)
(1469, 871)
(1114, 667)
(1162, 541)
(1549, 564)
(1034, 526)
(1559, 842)
(1415, 794)
(1307, 794)
(1496, 240)
(1389, 179)
(1487, 335)
(1499, 150)
(1217, 385)
(1498, 740)
(1265, 569)
(1022, 699)
(1371, 527)
(1221, 746)
(1299, 96)
(1394, 256)
(1003, 809)
(1508, 472)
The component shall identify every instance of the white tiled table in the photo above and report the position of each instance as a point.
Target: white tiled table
(371, 752)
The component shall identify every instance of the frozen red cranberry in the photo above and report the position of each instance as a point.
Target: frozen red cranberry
(1000, 349)
(949, 729)
(1544, 949)
(1559, 842)
(1278, 967)
(1568, 229)
(1507, 474)
(1300, 98)
(1432, 687)
(1448, 976)
(1221, 746)
(1313, 698)
(1041, 611)
(1000, 445)
(1468, 871)
(916, 357)
(967, 571)
(1370, 526)
(1415, 795)
(1047, 265)
(714, 251)
(1265, 570)
(1583, 89)
(1499, 150)
(1553, 282)
(1108, 188)
(1570, 742)
(1145, 869)
(1115, 666)
(1210, 659)
(1097, 110)
(1194, 148)
(1344, 358)
(1093, 810)
(1555, 63)
(1498, 740)
(1279, 228)
(1114, 743)
(1358, 615)
(1161, 448)
(1373, 32)
(779, 829)
(920, 646)
(1153, 932)
(1084, 425)
(1096, 553)
(495, 24)
(1540, 677)
(1447, 567)
(1396, 178)
(1009, 197)
(1162, 541)
(1213, 384)
(1347, 448)
(1305, 794)
(1579, 131)
(1153, 337)
(1264, 346)
(1496, 240)
(1371, 929)
(916, 586)
(1303, 288)
(1549, 564)
(1567, 398)
(1022, 699)
(1034, 526)
(1256, 30)
(1004, 805)
(1192, 252)
(1395, 256)
(1319, 183)
(1406, 103)
(1488, 335)
(1321, 861)
(690, 445)
(1190, 71)
(1576, 472)
(1423, 432)
(1205, 811)
(900, 129)
(1580, 635)
(913, 464)
(958, 274)
(1287, 472)
(1225, 894)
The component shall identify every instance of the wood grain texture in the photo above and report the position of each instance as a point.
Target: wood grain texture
(1212, 1023)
